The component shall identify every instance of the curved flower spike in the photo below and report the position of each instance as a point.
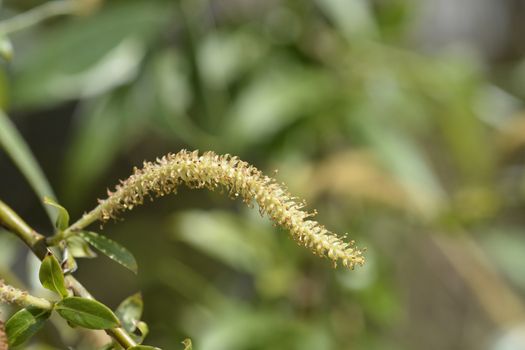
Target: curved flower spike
(240, 179)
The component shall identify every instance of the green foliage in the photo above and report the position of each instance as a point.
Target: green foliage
(24, 324)
(51, 275)
(79, 248)
(393, 131)
(111, 249)
(63, 216)
(87, 313)
(129, 312)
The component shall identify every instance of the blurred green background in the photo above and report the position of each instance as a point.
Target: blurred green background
(401, 122)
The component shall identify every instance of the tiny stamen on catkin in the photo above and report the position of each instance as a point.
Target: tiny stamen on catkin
(237, 178)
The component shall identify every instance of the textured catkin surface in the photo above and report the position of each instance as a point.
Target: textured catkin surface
(10, 295)
(3, 337)
(239, 179)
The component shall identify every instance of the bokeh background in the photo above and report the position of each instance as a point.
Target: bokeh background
(402, 122)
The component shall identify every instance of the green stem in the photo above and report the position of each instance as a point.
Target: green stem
(119, 334)
(37, 15)
(83, 222)
(37, 243)
(86, 220)
(12, 222)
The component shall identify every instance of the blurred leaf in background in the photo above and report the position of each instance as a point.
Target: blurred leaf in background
(401, 122)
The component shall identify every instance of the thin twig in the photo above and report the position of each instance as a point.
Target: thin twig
(12, 222)
(36, 242)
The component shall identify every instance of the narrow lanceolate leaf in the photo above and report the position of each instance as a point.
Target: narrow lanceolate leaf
(143, 347)
(130, 311)
(24, 324)
(16, 148)
(51, 275)
(63, 216)
(111, 248)
(87, 313)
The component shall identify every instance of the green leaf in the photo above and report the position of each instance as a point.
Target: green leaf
(274, 100)
(354, 19)
(143, 347)
(79, 248)
(24, 324)
(69, 265)
(143, 329)
(63, 216)
(17, 149)
(130, 311)
(59, 67)
(87, 313)
(51, 275)
(111, 248)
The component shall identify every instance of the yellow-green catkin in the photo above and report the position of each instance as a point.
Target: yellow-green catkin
(240, 179)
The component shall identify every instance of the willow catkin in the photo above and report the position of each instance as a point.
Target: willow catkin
(3, 337)
(240, 179)
(12, 295)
